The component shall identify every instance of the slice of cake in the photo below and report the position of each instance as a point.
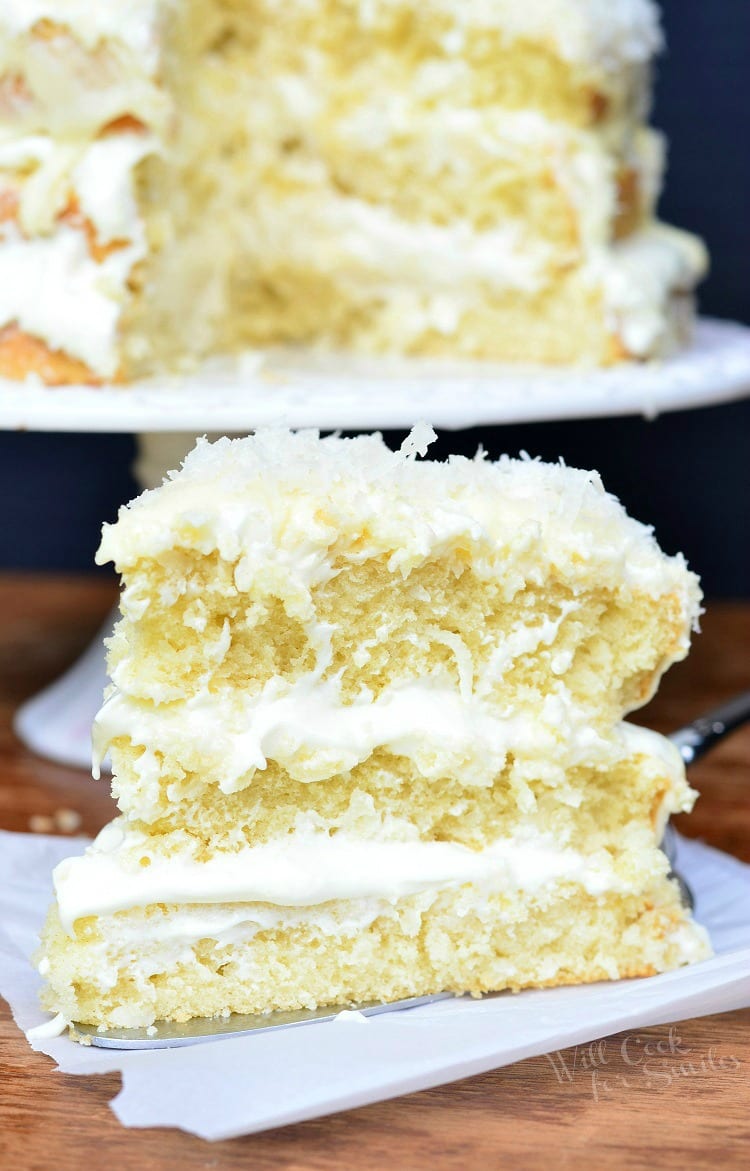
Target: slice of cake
(183, 178)
(365, 724)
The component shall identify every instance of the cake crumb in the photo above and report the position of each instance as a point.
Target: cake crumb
(40, 823)
(67, 820)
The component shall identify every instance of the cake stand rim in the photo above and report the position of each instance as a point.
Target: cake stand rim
(272, 389)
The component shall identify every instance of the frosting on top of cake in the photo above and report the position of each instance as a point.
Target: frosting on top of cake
(300, 504)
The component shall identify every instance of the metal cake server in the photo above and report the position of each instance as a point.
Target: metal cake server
(170, 1035)
(693, 742)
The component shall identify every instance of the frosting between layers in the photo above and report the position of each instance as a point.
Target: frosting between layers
(306, 870)
(98, 173)
(52, 289)
(369, 248)
(50, 284)
(437, 273)
(639, 275)
(307, 729)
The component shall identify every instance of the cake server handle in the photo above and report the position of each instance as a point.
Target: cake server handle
(692, 742)
(696, 739)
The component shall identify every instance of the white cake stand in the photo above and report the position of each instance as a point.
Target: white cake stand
(295, 388)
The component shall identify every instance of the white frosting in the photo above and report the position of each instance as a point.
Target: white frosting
(103, 181)
(51, 1028)
(30, 148)
(238, 922)
(50, 285)
(307, 729)
(305, 870)
(436, 273)
(300, 505)
(99, 174)
(53, 289)
(646, 742)
(638, 277)
(372, 249)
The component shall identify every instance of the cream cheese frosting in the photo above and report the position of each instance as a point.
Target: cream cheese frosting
(371, 248)
(50, 284)
(437, 273)
(100, 174)
(639, 273)
(226, 499)
(103, 179)
(53, 289)
(307, 729)
(310, 869)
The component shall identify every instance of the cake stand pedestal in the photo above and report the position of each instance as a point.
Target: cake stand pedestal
(296, 388)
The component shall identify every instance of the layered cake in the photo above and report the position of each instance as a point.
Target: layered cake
(185, 178)
(366, 727)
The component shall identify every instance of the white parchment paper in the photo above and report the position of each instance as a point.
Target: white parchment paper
(232, 1087)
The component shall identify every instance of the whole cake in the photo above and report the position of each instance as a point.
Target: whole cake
(366, 729)
(185, 178)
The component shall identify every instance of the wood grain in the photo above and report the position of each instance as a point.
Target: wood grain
(671, 1099)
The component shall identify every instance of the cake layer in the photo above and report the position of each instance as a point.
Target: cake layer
(565, 187)
(634, 780)
(424, 152)
(295, 847)
(386, 796)
(366, 570)
(168, 962)
(581, 61)
(355, 277)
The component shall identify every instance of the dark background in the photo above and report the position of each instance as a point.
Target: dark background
(686, 473)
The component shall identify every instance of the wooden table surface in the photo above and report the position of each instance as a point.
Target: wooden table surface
(597, 1106)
